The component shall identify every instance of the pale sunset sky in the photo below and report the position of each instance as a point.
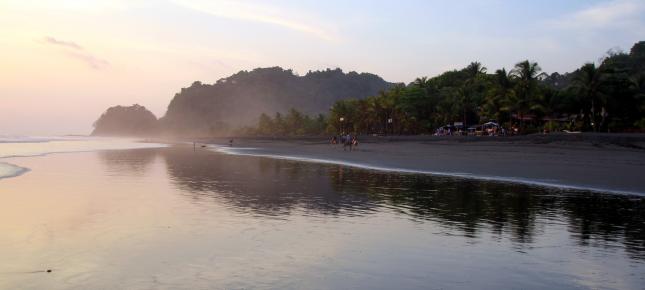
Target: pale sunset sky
(62, 63)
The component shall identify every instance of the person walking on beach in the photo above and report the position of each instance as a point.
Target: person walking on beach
(347, 142)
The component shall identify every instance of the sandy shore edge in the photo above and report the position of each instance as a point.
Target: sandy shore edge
(591, 166)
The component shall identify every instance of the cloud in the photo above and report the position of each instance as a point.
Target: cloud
(255, 13)
(90, 60)
(76, 51)
(614, 14)
(69, 44)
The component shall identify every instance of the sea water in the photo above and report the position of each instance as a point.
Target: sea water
(25, 146)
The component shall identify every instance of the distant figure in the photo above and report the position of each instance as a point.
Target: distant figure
(230, 143)
(347, 141)
(354, 143)
(333, 140)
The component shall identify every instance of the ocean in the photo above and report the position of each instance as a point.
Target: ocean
(25, 146)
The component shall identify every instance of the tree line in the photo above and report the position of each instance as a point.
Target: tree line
(294, 123)
(604, 97)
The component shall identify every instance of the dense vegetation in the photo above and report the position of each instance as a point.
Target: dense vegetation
(238, 100)
(294, 123)
(134, 120)
(606, 97)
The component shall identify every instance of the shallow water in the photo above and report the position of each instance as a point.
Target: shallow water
(25, 146)
(35, 146)
(174, 218)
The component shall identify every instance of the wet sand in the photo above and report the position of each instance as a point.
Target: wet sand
(615, 164)
(178, 218)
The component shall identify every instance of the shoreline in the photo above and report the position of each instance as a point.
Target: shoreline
(607, 165)
(13, 151)
(9, 170)
(607, 168)
(455, 175)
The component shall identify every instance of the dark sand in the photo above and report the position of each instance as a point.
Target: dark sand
(601, 162)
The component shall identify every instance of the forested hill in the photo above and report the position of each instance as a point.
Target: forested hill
(238, 100)
(134, 120)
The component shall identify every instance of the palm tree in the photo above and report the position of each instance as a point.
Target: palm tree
(587, 82)
(503, 79)
(500, 97)
(474, 69)
(470, 87)
(526, 74)
(388, 105)
(526, 70)
(421, 82)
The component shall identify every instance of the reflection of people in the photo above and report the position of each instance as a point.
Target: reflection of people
(230, 143)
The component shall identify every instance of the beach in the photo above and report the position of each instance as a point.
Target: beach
(605, 163)
(178, 217)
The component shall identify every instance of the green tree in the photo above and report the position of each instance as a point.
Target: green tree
(265, 125)
(587, 82)
(295, 123)
(525, 74)
(638, 88)
(279, 125)
(500, 98)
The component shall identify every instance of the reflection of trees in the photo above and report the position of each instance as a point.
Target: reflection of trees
(603, 220)
(462, 204)
(473, 206)
(134, 161)
(278, 187)
(260, 185)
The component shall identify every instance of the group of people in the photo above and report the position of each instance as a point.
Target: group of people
(346, 139)
(446, 131)
(482, 130)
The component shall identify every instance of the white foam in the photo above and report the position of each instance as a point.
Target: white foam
(542, 183)
(37, 146)
(31, 139)
(9, 170)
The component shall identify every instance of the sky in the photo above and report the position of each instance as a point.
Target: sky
(62, 63)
